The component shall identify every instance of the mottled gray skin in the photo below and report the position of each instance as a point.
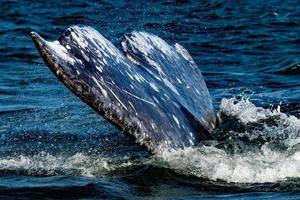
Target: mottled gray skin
(151, 90)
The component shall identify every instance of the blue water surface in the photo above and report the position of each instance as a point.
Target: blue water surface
(54, 146)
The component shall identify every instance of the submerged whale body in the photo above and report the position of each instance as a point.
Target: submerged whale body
(150, 89)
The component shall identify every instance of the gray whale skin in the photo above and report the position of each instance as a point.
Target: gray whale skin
(149, 89)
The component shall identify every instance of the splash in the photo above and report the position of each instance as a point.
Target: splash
(267, 124)
(79, 164)
(268, 152)
(258, 145)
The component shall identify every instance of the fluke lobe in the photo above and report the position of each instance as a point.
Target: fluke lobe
(150, 89)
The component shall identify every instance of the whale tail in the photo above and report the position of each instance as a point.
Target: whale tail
(152, 90)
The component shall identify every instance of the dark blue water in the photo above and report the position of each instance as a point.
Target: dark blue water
(53, 146)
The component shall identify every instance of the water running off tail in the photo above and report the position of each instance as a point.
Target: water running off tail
(150, 89)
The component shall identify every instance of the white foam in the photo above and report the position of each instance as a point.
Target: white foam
(213, 163)
(78, 164)
(287, 129)
(244, 110)
(258, 164)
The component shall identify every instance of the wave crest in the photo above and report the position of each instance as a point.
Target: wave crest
(261, 146)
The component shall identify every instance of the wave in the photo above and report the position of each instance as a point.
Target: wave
(254, 145)
(267, 152)
(79, 164)
(291, 70)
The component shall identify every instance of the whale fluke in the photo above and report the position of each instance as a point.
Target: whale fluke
(173, 67)
(150, 89)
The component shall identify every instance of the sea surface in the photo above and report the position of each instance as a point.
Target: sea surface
(54, 146)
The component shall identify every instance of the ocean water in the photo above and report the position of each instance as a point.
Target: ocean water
(54, 146)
